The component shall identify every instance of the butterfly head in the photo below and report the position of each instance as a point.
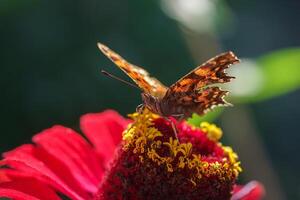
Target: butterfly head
(151, 102)
(148, 99)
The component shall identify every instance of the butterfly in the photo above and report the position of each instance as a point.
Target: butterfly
(193, 93)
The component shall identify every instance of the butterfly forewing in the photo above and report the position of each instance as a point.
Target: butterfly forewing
(192, 92)
(140, 76)
(208, 73)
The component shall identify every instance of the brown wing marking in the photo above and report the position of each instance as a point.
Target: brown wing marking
(140, 76)
(212, 71)
(199, 102)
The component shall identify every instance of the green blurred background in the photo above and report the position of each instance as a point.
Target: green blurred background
(50, 69)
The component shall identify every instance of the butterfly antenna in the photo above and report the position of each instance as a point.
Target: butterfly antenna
(119, 79)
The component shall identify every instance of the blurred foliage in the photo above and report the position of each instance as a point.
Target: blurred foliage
(211, 116)
(281, 73)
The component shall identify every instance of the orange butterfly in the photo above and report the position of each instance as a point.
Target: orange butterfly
(193, 93)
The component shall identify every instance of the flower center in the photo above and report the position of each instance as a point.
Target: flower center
(152, 164)
(151, 138)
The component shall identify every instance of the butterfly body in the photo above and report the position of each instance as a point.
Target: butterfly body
(193, 93)
(162, 107)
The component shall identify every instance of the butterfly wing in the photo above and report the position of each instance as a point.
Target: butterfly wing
(212, 71)
(192, 92)
(140, 76)
(186, 103)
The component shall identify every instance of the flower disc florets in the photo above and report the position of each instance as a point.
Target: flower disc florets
(153, 164)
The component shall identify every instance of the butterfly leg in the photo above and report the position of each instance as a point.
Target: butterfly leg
(179, 117)
(140, 108)
(173, 127)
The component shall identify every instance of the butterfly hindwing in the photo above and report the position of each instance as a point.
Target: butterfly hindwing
(140, 76)
(199, 102)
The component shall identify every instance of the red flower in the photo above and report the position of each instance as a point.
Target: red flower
(61, 164)
(250, 191)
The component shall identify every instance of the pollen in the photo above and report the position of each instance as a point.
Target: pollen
(153, 143)
(213, 132)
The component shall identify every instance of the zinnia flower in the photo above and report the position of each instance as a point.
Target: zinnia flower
(146, 162)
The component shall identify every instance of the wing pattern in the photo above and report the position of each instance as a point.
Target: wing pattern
(212, 71)
(196, 102)
(192, 92)
(140, 76)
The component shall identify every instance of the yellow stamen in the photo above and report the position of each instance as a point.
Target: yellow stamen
(142, 138)
(213, 132)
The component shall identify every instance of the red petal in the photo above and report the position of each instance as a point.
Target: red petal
(41, 165)
(75, 153)
(104, 130)
(251, 191)
(27, 189)
(12, 181)
(7, 175)
(16, 195)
